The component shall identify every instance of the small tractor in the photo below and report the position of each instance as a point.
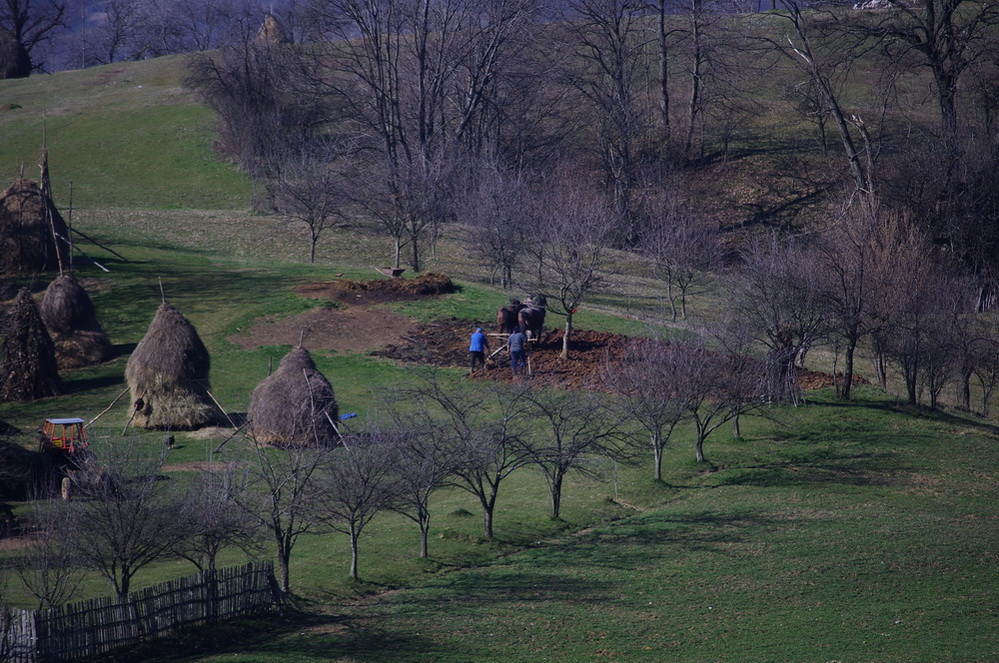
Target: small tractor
(64, 447)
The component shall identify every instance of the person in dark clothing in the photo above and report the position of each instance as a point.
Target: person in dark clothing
(518, 351)
(477, 349)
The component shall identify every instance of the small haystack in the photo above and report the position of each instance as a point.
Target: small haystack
(14, 59)
(29, 369)
(72, 322)
(27, 217)
(295, 405)
(167, 375)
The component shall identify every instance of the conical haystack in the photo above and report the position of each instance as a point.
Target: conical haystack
(29, 370)
(168, 376)
(72, 322)
(295, 405)
(27, 217)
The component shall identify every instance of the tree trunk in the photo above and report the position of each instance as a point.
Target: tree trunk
(657, 453)
(556, 493)
(565, 337)
(663, 74)
(353, 553)
(848, 354)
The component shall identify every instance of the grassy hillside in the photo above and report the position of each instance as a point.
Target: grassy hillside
(122, 135)
(849, 532)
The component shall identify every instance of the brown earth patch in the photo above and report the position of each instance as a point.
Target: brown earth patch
(443, 343)
(354, 329)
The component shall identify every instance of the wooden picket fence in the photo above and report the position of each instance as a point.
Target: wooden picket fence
(97, 626)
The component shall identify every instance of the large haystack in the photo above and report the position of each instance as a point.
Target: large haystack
(72, 322)
(168, 376)
(26, 223)
(14, 59)
(295, 405)
(29, 370)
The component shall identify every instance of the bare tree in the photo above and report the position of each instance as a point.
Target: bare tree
(578, 425)
(855, 258)
(946, 37)
(817, 43)
(495, 210)
(484, 431)
(681, 247)
(282, 497)
(49, 567)
(608, 37)
(357, 481)
(123, 516)
(775, 295)
(423, 459)
(649, 391)
(308, 187)
(574, 230)
(217, 521)
(32, 22)
(720, 384)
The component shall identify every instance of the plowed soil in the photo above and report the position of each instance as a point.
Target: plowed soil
(357, 327)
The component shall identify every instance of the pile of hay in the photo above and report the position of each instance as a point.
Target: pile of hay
(167, 376)
(29, 369)
(14, 59)
(72, 322)
(26, 242)
(295, 405)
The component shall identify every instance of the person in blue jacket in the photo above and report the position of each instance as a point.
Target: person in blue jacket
(477, 349)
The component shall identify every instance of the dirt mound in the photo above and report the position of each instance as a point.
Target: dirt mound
(378, 290)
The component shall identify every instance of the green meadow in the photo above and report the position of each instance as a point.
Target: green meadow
(831, 531)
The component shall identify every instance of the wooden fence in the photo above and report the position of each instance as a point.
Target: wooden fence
(97, 626)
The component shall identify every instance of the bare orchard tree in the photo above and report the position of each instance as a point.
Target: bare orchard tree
(919, 308)
(217, 522)
(575, 426)
(495, 211)
(418, 77)
(854, 263)
(484, 430)
(681, 247)
(648, 389)
(721, 383)
(409, 200)
(309, 187)
(986, 365)
(282, 496)
(423, 463)
(775, 295)
(49, 567)
(356, 482)
(574, 229)
(123, 516)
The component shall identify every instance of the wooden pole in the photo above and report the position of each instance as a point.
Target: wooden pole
(117, 398)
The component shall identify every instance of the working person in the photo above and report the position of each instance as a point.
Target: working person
(477, 349)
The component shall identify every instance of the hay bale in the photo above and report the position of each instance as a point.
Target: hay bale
(14, 59)
(26, 242)
(167, 376)
(72, 322)
(29, 369)
(294, 405)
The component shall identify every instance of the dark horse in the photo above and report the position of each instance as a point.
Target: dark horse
(508, 317)
(532, 317)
